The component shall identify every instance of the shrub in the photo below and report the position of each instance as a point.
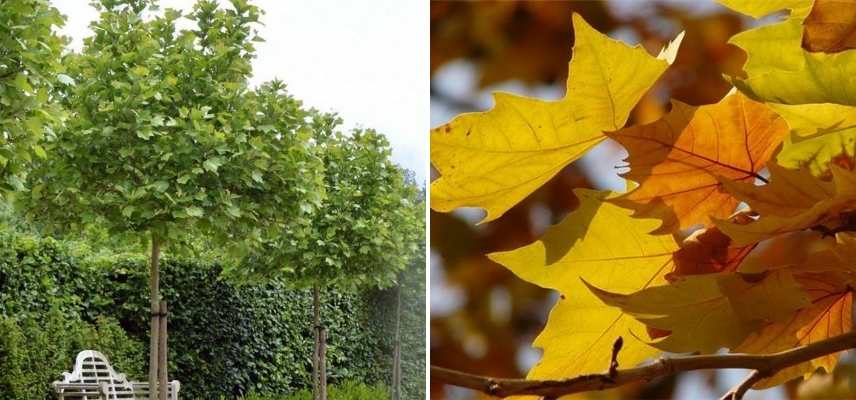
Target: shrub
(35, 348)
(224, 339)
(347, 390)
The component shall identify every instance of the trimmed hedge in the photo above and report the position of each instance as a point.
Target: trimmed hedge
(34, 346)
(224, 339)
(348, 390)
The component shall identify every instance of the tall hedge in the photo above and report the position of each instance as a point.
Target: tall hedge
(413, 344)
(224, 339)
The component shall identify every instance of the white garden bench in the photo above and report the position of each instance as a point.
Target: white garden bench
(94, 379)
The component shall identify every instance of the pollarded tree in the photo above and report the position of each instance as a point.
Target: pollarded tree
(29, 67)
(363, 235)
(166, 143)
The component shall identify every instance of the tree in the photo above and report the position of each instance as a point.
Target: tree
(410, 317)
(29, 69)
(676, 264)
(363, 235)
(166, 143)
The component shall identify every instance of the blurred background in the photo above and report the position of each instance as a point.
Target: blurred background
(483, 318)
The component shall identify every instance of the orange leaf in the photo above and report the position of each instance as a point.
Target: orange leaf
(830, 26)
(829, 315)
(707, 251)
(680, 159)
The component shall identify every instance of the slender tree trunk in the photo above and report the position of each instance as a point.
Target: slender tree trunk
(162, 371)
(320, 372)
(154, 297)
(396, 355)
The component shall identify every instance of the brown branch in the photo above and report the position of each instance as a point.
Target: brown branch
(737, 392)
(764, 365)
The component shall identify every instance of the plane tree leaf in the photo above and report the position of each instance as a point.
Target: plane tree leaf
(758, 9)
(779, 70)
(708, 312)
(708, 250)
(737, 229)
(826, 215)
(828, 314)
(820, 134)
(30, 69)
(494, 159)
(788, 193)
(680, 159)
(587, 245)
(830, 26)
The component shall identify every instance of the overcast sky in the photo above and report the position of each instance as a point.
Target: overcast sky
(368, 61)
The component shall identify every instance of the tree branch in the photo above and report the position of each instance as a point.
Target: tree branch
(763, 365)
(737, 392)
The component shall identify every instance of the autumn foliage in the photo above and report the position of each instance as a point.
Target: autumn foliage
(737, 228)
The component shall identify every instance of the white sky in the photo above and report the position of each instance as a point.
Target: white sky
(368, 61)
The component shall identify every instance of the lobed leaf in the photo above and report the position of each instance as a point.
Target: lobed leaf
(829, 314)
(494, 159)
(779, 70)
(680, 159)
(825, 214)
(708, 312)
(830, 26)
(820, 134)
(581, 329)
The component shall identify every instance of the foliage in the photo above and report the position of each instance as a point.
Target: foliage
(676, 264)
(29, 68)
(224, 338)
(191, 148)
(365, 231)
(347, 390)
(473, 147)
(36, 347)
(412, 335)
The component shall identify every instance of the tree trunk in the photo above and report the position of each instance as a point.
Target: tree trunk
(320, 372)
(162, 387)
(396, 352)
(154, 297)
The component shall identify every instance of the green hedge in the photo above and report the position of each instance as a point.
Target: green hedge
(348, 390)
(34, 346)
(224, 339)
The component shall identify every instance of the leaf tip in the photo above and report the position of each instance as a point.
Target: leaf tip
(670, 51)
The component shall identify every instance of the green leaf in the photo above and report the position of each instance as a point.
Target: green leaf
(65, 79)
(212, 164)
(40, 151)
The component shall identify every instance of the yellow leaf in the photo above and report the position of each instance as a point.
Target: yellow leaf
(830, 314)
(786, 251)
(779, 70)
(494, 159)
(679, 160)
(708, 312)
(757, 9)
(821, 133)
(824, 214)
(581, 329)
(790, 192)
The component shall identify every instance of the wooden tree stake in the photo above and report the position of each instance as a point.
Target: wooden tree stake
(162, 366)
